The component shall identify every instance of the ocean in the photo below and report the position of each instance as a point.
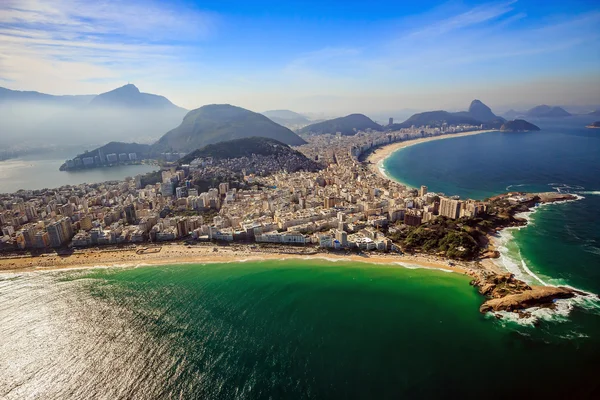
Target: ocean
(41, 171)
(272, 330)
(316, 329)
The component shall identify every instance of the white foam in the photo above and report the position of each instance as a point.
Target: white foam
(592, 192)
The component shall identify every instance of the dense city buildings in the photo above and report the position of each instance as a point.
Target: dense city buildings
(342, 204)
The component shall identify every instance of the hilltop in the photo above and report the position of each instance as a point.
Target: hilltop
(347, 125)
(130, 96)
(478, 114)
(244, 147)
(518, 125)
(286, 117)
(220, 122)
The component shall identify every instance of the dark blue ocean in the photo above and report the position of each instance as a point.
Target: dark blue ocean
(561, 245)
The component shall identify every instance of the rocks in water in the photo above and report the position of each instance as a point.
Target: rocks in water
(506, 293)
(538, 296)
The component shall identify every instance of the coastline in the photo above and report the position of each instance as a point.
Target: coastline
(175, 253)
(376, 159)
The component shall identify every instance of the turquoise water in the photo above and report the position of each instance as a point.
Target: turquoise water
(293, 329)
(323, 330)
(562, 243)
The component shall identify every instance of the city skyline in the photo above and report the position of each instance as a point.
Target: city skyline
(309, 58)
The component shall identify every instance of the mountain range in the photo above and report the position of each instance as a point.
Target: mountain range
(347, 125)
(124, 112)
(478, 114)
(542, 111)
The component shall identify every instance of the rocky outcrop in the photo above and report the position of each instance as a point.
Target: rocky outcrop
(506, 293)
(537, 296)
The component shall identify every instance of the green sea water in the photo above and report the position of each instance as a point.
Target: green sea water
(270, 330)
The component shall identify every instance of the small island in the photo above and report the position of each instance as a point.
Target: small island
(518, 125)
(594, 125)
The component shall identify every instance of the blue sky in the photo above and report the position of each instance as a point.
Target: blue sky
(326, 56)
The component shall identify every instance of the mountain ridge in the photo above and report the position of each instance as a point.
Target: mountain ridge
(221, 122)
(347, 125)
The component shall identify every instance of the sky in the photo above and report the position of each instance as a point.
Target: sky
(324, 57)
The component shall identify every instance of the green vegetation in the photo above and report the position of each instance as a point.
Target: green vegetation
(454, 239)
(221, 122)
(518, 125)
(151, 178)
(347, 125)
(244, 147)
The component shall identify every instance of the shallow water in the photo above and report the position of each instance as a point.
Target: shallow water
(293, 329)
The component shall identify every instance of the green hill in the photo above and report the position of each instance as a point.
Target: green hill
(244, 147)
(347, 125)
(221, 122)
(518, 125)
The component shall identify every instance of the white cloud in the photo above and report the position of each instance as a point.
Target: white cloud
(80, 46)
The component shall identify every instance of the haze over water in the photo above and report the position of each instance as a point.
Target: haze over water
(41, 171)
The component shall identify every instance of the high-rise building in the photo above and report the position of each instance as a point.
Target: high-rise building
(223, 188)
(342, 237)
(391, 121)
(450, 208)
(55, 233)
(329, 202)
(130, 215)
(423, 190)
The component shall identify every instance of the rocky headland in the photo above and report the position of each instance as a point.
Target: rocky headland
(505, 292)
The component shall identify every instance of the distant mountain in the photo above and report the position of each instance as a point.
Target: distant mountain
(478, 114)
(286, 117)
(244, 147)
(35, 119)
(436, 118)
(545, 111)
(518, 125)
(347, 125)
(481, 112)
(7, 95)
(130, 96)
(513, 114)
(220, 122)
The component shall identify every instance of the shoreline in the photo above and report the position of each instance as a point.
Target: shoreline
(376, 159)
(175, 253)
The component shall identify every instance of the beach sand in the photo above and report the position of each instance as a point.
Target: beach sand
(376, 158)
(176, 253)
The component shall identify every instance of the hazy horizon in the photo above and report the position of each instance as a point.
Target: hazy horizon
(328, 58)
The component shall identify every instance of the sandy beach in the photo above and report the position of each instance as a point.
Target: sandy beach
(176, 253)
(377, 157)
